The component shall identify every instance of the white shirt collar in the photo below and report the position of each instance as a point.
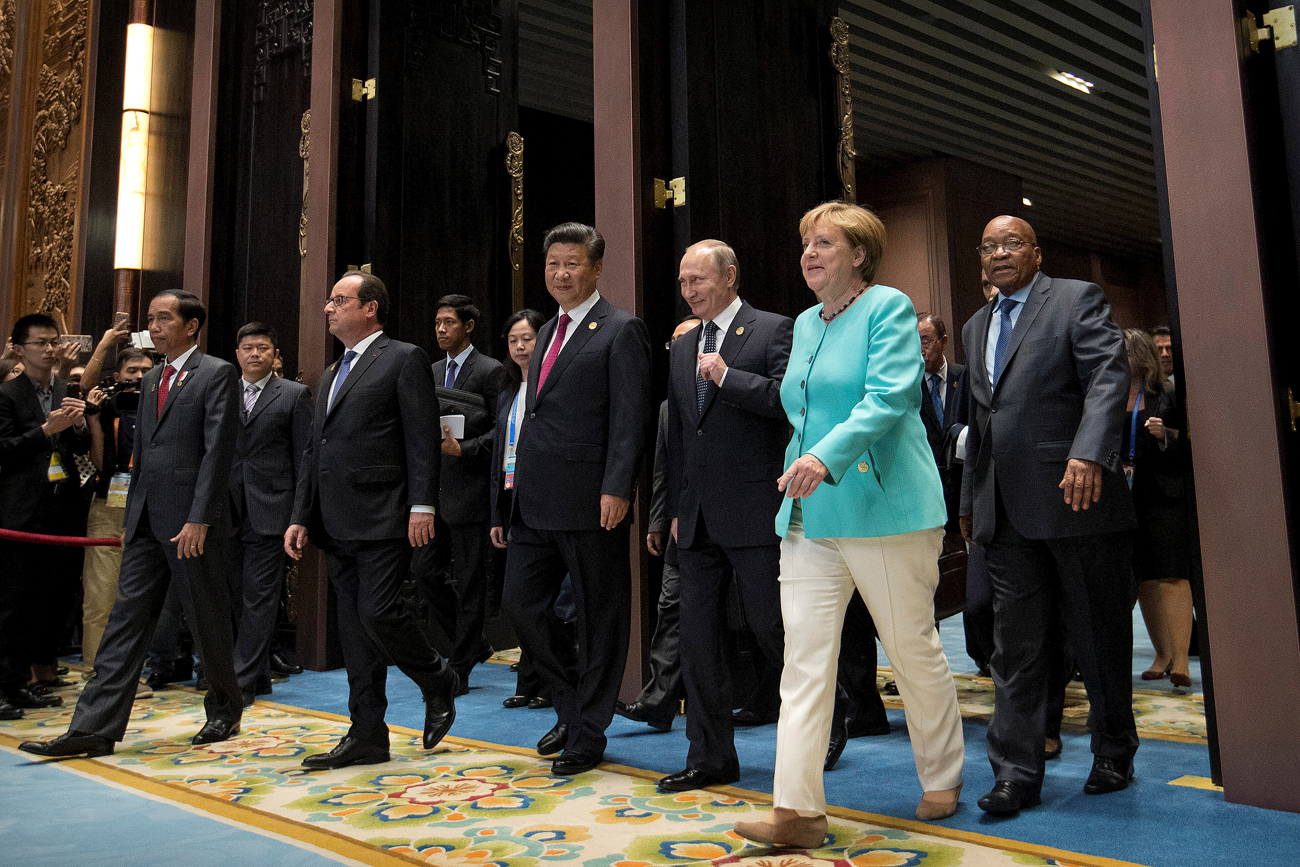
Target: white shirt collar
(181, 359)
(579, 313)
(723, 319)
(943, 372)
(260, 384)
(364, 343)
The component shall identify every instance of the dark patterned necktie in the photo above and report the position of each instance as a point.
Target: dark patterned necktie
(701, 381)
(936, 395)
(1004, 338)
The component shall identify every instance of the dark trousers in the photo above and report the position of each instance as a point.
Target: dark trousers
(256, 577)
(584, 690)
(707, 570)
(149, 568)
(453, 577)
(663, 693)
(1084, 580)
(977, 619)
(376, 627)
(857, 700)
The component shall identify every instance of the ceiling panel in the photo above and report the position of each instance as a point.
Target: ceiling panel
(963, 78)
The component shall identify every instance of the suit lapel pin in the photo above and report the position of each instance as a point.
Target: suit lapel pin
(740, 330)
(591, 327)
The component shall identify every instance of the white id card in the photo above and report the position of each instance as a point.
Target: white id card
(510, 472)
(118, 486)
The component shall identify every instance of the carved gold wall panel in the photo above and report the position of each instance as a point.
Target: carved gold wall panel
(8, 23)
(844, 89)
(50, 167)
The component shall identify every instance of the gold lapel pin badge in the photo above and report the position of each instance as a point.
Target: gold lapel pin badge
(592, 327)
(740, 330)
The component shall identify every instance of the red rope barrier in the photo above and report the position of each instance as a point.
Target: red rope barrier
(64, 541)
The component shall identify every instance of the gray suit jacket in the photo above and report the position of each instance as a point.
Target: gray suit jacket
(373, 454)
(181, 461)
(723, 463)
(268, 457)
(1062, 395)
(463, 491)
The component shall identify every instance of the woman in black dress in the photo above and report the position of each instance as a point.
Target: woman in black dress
(1154, 454)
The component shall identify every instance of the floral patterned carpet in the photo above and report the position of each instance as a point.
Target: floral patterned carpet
(470, 803)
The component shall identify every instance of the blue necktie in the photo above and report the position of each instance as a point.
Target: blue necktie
(702, 382)
(936, 395)
(1005, 306)
(344, 367)
(451, 373)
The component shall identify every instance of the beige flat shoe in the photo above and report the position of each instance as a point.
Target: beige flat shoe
(786, 830)
(938, 805)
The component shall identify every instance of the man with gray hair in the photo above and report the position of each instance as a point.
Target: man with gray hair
(727, 435)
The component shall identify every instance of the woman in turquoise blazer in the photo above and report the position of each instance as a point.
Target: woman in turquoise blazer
(864, 509)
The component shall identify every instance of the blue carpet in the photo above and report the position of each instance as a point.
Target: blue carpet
(51, 817)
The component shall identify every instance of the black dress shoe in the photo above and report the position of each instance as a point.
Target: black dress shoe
(70, 744)
(247, 697)
(33, 698)
(214, 731)
(1009, 797)
(745, 717)
(350, 751)
(1052, 749)
(55, 683)
(573, 762)
(554, 740)
(283, 666)
(1108, 775)
(516, 701)
(540, 702)
(8, 710)
(639, 711)
(693, 778)
(860, 729)
(440, 712)
(835, 747)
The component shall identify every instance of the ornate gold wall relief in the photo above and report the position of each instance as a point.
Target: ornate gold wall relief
(515, 166)
(8, 23)
(53, 177)
(304, 151)
(844, 87)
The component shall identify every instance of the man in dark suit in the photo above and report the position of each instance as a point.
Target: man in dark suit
(945, 407)
(274, 430)
(41, 429)
(579, 451)
(367, 492)
(175, 529)
(727, 435)
(1043, 493)
(463, 490)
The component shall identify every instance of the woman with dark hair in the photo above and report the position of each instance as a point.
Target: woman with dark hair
(10, 368)
(1153, 461)
(521, 338)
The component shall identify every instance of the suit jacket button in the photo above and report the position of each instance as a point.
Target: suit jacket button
(699, 433)
(800, 410)
(532, 415)
(863, 467)
(801, 382)
(323, 440)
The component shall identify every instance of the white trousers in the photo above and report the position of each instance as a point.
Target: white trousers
(897, 577)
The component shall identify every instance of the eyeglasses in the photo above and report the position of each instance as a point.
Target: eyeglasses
(1011, 245)
(340, 300)
(44, 344)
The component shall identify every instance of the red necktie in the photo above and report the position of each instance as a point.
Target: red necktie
(164, 386)
(554, 351)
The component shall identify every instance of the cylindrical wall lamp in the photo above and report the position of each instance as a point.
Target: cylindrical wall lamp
(133, 168)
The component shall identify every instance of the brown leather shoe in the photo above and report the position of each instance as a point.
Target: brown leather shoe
(786, 830)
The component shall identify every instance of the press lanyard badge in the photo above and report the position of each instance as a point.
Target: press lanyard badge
(56, 473)
(118, 486)
(510, 458)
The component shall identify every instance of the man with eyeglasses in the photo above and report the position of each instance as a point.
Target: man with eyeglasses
(1049, 381)
(41, 429)
(366, 495)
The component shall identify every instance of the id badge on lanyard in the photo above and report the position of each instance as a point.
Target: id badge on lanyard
(56, 473)
(510, 459)
(1132, 441)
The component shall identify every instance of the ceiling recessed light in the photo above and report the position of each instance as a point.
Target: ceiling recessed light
(1072, 80)
(1026, 203)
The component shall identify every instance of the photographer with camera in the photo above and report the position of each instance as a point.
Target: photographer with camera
(112, 436)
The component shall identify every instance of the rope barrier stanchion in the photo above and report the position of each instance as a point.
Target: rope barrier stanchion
(62, 541)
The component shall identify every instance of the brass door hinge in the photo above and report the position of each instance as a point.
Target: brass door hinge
(363, 89)
(1279, 26)
(674, 189)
